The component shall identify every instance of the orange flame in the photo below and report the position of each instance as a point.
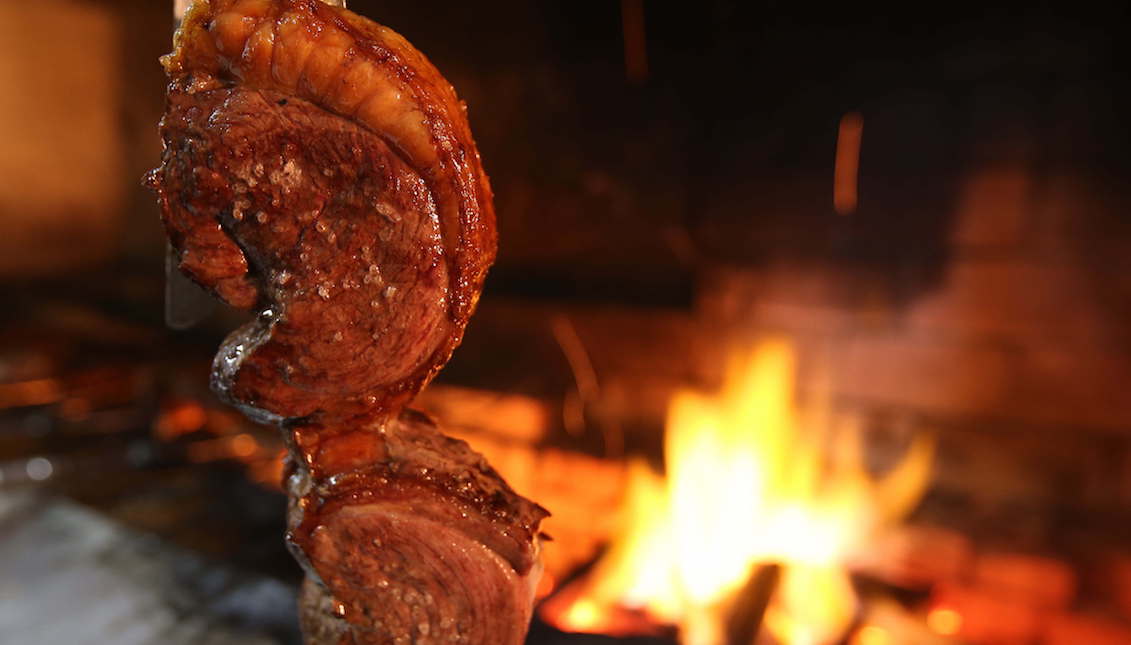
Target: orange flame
(749, 481)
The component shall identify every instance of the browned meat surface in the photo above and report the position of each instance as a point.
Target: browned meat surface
(318, 220)
(316, 163)
(424, 542)
(319, 170)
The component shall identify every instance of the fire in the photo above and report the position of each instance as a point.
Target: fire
(750, 482)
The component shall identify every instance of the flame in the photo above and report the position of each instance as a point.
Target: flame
(750, 481)
(942, 620)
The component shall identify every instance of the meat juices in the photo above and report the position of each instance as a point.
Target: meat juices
(319, 170)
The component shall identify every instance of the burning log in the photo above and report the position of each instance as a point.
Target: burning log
(749, 609)
(757, 501)
(319, 170)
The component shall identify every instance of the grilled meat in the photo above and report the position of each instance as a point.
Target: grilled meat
(319, 170)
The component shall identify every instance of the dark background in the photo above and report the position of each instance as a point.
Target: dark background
(617, 189)
(645, 214)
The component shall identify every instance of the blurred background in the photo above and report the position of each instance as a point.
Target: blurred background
(907, 227)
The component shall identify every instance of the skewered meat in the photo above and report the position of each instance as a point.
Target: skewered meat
(319, 170)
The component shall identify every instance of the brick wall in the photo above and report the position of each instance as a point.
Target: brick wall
(1021, 348)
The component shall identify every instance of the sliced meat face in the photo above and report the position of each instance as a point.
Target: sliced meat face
(274, 201)
(431, 583)
(409, 536)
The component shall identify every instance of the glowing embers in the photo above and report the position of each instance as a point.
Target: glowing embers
(750, 482)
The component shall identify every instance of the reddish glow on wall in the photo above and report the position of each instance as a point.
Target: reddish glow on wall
(846, 172)
(635, 43)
